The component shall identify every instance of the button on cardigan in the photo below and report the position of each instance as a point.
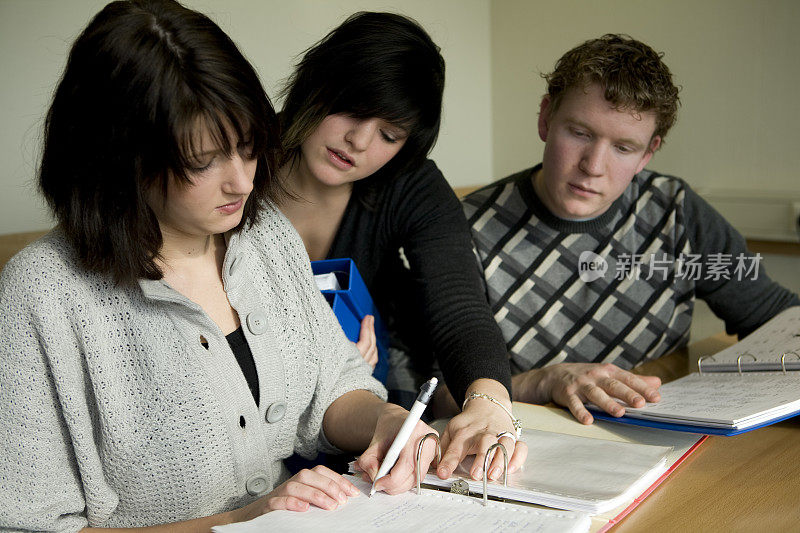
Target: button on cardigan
(114, 414)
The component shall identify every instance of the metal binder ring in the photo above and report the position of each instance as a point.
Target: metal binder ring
(419, 455)
(700, 363)
(486, 459)
(783, 359)
(739, 361)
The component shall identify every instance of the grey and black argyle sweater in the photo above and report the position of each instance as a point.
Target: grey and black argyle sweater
(618, 288)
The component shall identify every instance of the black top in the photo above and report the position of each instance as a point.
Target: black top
(435, 307)
(241, 350)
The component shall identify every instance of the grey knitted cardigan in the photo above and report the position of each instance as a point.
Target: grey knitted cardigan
(112, 412)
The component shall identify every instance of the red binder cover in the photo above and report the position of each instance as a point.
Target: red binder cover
(614, 521)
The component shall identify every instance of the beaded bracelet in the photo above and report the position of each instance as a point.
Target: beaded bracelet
(515, 421)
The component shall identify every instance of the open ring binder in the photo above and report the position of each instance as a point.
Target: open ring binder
(751, 384)
(739, 361)
(419, 454)
(767, 349)
(783, 359)
(700, 363)
(486, 458)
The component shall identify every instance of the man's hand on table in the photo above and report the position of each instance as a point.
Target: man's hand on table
(573, 384)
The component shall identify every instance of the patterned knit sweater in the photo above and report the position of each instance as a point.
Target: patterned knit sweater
(618, 288)
(114, 414)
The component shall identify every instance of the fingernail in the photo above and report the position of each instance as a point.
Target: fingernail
(342, 497)
(477, 474)
(353, 490)
(495, 473)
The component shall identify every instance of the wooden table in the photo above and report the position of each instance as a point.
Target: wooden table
(750, 482)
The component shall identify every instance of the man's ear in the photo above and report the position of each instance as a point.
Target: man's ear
(544, 117)
(655, 142)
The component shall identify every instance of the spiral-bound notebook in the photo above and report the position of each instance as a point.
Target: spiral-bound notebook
(731, 393)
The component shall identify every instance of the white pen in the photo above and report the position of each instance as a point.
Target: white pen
(425, 394)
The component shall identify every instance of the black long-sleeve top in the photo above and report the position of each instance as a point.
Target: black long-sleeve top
(436, 306)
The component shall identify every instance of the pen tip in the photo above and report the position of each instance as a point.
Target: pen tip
(372, 491)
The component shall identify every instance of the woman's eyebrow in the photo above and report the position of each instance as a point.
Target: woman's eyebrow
(206, 153)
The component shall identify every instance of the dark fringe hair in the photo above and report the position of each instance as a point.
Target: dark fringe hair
(380, 65)
(141, 82)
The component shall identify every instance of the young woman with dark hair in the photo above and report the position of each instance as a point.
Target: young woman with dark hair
(362, 111)
(165, 347)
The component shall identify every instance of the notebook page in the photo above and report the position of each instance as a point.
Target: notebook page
(432, 511)
(765, 346)
(572, 472)
(559, 420)
(724, 399)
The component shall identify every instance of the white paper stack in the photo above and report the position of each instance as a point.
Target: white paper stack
(725, 400)
(573, 473)
(327, 282)
(430, 511)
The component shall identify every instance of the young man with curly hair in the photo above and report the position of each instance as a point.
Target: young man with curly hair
(592, 263)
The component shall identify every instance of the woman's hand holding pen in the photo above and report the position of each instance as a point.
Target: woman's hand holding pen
(475, 429)
(402, 476)
(325, 488)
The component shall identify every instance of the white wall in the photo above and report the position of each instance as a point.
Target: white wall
(737, 60)
(35, 37)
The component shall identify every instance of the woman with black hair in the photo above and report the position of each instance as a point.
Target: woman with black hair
(362, 110)
(165, 347)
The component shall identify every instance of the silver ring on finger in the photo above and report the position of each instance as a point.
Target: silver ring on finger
(507, 434)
